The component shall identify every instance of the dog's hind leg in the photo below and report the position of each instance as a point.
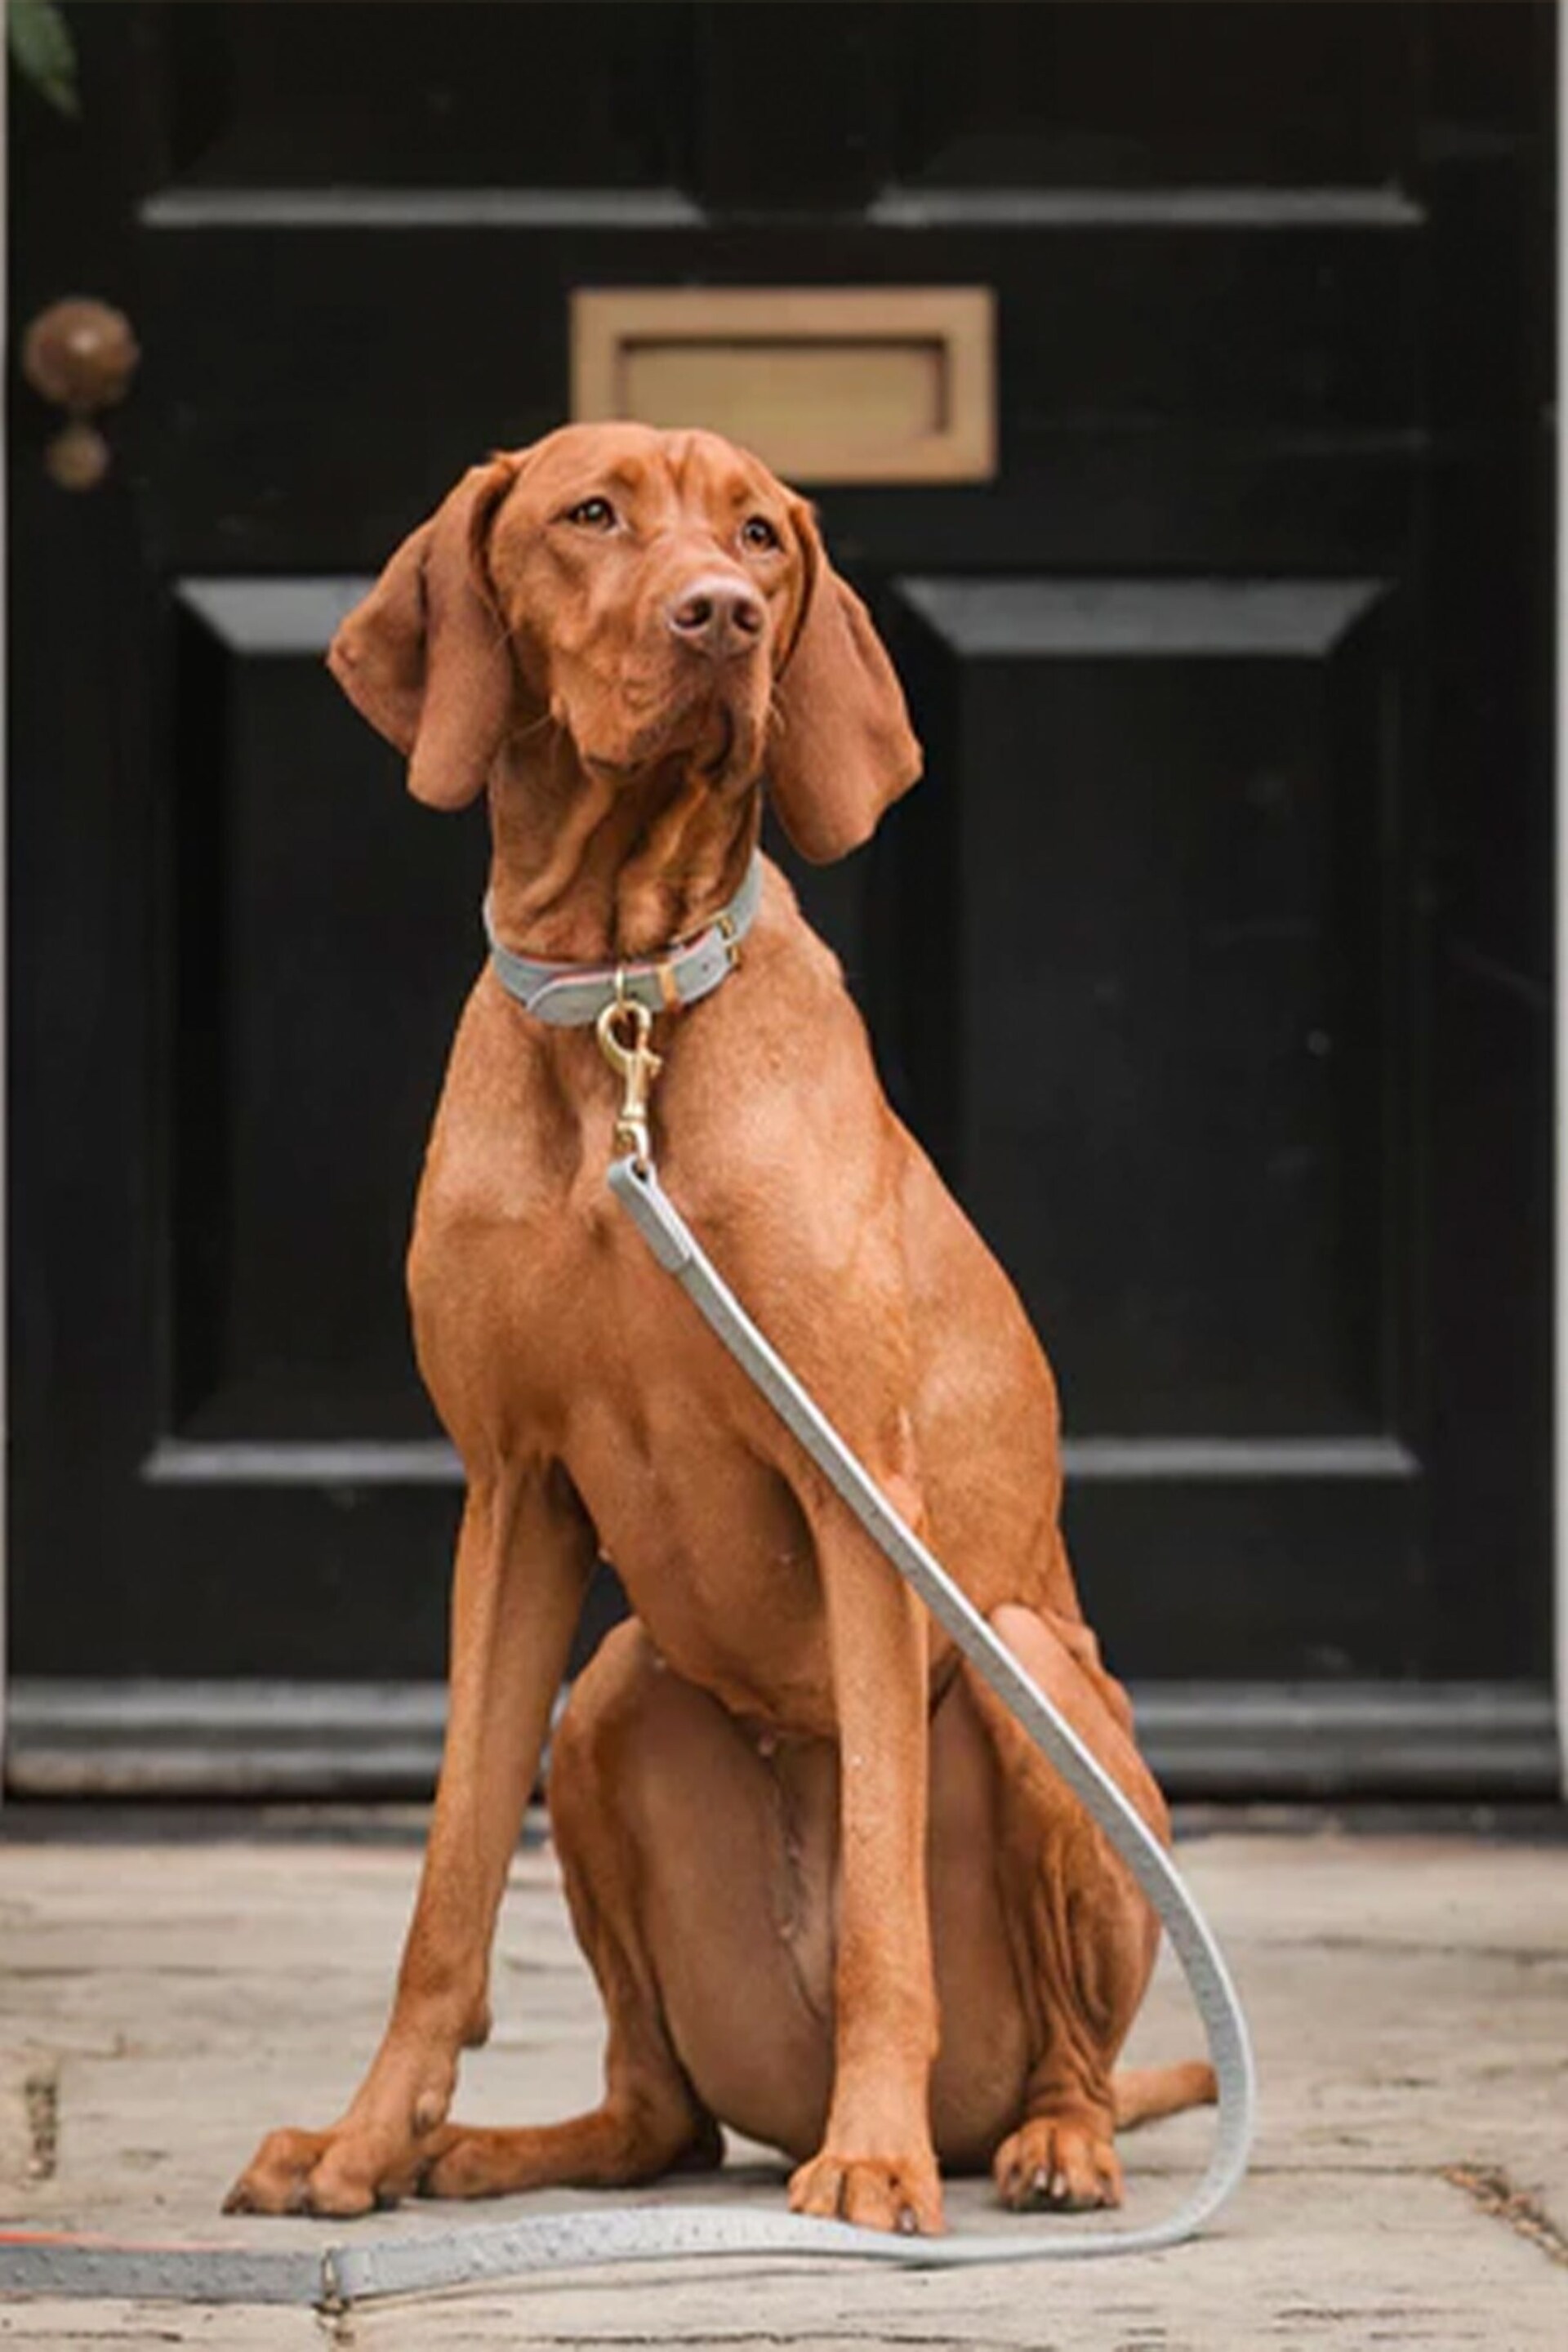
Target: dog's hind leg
(1083, 1936)
(649, 2120)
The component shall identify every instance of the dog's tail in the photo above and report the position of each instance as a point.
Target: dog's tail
(1141, 2094)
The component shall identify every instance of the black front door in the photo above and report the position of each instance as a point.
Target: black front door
(1212, 960)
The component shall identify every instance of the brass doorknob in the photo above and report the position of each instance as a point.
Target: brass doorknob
(81, 354)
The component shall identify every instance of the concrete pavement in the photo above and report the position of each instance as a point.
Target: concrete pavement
(163, 2000)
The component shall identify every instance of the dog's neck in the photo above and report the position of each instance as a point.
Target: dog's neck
(588, 866)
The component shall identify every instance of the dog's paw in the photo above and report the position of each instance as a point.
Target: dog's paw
(341, 2173)
(274, 2180)
(1057, 2164)
(468, 2161)
(875, 2192)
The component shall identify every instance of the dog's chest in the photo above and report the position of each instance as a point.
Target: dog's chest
(543, 1317)
(677, 1462)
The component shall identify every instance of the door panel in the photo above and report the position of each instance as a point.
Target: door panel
(1212, 960)
(1169, 818)
(315, 913)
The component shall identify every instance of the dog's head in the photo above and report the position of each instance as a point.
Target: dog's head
(662, 598)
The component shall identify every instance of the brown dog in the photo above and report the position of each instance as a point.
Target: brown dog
(831, 1896)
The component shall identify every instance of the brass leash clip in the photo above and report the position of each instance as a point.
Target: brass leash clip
(637, 1065)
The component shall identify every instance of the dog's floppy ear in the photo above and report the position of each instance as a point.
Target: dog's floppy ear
(426, 657)
(840, 748)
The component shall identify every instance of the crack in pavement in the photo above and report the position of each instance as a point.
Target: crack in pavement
(41, 2103)
(1488, 2187)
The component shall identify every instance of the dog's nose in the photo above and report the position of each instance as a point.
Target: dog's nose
(717, 617)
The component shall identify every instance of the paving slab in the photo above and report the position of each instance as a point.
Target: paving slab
(162, 2002)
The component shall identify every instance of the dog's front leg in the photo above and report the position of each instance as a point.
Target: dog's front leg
(524, 1559)
(877, 2165)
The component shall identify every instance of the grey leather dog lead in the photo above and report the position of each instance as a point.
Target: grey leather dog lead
(367, 2267)
(570, 995)
(639, 1192)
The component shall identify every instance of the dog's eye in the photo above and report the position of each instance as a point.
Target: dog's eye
(592, 514)
(758, 532)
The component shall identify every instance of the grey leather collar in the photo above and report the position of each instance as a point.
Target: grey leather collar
(570, 995)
